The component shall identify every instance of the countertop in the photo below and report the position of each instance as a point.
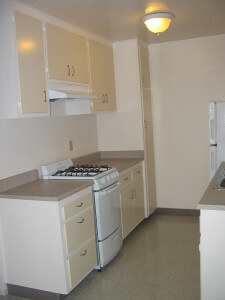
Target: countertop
(120, 164)
(213, 199)
(55, 190)
(46, 190)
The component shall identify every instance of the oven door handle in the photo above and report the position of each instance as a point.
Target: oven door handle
(110, 189)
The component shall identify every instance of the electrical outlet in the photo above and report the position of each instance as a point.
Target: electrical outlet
(71, 145)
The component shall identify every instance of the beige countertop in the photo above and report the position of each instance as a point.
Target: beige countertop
(55, 190)
(213, 199)
(46, 190)
(120, 164)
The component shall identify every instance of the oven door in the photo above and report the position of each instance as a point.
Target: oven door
(107, 208)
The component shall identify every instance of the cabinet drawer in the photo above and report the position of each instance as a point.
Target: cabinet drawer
(125, 178)
(137, 172)
(82, 262)
(77, 205)
(79, 229)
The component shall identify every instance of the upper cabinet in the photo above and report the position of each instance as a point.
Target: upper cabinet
(31, 64)
(67, 55)
(102, 76)
(144, 66)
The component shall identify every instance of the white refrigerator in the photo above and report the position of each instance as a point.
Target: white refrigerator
(216, 135)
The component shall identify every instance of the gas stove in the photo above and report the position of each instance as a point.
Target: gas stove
(102, 175)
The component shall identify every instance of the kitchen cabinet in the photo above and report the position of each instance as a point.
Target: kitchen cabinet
(48, 245)
(212, 249)
(33, 96)
(102, 76)
(132, 198)
(144, 66)
(67, 54)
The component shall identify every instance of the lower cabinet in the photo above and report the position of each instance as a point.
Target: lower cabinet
(132, 198)
(48, 245)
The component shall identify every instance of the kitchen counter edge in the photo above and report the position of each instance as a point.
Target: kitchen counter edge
(213, 199)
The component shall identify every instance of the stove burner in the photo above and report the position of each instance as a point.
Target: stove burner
(82, 170)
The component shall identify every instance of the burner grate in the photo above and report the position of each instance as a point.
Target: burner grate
(83, 171)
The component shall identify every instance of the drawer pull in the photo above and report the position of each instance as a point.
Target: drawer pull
(80, 204)
(126, 178)
(138, 172)
(81, 221)
(84, 253)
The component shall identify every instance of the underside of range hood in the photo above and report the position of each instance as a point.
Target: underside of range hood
(56, 94)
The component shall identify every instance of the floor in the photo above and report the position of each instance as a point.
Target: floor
(158, 261)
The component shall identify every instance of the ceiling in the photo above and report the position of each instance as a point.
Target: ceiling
(117, 20)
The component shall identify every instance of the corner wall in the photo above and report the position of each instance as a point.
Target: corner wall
(185, 76)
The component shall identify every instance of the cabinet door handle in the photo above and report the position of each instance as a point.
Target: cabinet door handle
(132, 194)
(138, 172)
(45, 96)
(145, 124)
(84, 253)
(103, 95)
(68, 70)
(79, 205)
(82, 221)
(73, 70)
(135, 193)
(107, 99)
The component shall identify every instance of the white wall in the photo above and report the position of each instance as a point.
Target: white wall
(122, 130)
(185, 76)
(28, 143)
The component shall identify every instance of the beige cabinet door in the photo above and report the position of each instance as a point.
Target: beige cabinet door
(109, 79)
(127, 211)
(138, 198)
(149, 150)
(144, 66)
(102, 76)
(78, 58)
(31, 63)
(57, 52)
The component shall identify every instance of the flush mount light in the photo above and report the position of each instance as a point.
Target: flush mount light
(158, 21)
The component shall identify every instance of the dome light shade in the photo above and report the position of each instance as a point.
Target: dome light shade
(158, 22)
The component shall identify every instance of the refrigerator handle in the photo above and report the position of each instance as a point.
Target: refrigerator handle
(212, 162)
(212, 131)
(212, 123)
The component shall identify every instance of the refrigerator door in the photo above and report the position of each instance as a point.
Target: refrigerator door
(212, 123)
(220, 133)
(213, 161)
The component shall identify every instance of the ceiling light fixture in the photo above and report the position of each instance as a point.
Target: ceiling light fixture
(158, 22)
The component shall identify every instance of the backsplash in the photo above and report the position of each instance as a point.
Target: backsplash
(28, 143)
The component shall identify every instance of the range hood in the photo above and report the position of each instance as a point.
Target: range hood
(68, 95)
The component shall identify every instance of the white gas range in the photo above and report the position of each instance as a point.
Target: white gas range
(106, 202)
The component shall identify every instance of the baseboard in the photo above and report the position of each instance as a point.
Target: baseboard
(177, 211)
(33, 293)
